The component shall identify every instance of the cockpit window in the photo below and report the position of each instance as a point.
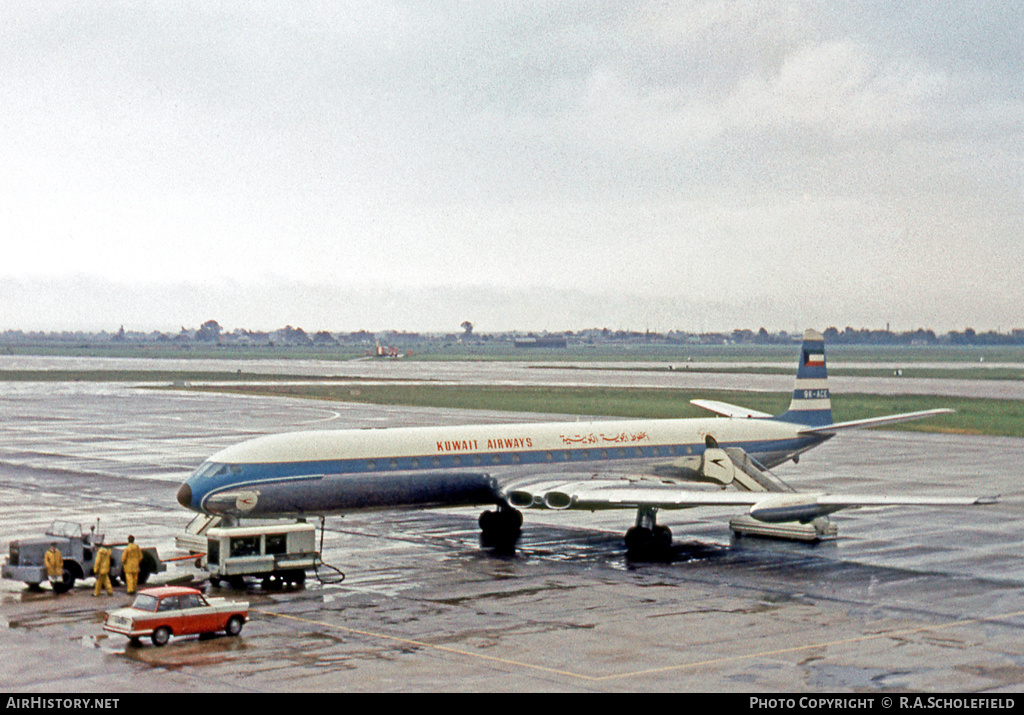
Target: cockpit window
(206, 469)
(216, 469)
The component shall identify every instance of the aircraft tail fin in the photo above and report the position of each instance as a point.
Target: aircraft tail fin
(811, 404)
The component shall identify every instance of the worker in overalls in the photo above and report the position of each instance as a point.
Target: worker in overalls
(131, 560)
(101, 567)
(54, 563)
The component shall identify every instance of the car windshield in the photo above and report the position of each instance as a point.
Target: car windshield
(145, 602)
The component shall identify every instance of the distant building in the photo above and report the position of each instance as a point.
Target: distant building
(547, 341)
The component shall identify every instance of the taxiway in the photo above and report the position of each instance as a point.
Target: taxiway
(905, 599)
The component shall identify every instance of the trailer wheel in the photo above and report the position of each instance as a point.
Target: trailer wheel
(295, 577)
(161, 635)
(234, 626)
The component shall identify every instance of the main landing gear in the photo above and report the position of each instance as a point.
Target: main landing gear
(647, 540)
(501, 528)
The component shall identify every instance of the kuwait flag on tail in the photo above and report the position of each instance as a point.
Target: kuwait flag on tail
(814, 359)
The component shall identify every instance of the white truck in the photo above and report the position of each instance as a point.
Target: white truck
(25, 557)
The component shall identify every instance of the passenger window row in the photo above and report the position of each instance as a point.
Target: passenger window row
(583, 455)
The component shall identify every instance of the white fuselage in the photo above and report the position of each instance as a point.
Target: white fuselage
(337, 471)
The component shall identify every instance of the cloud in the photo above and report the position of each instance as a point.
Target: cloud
(749, 158)
(839, 91)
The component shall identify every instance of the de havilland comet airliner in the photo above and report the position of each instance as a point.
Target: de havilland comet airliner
(644, 465)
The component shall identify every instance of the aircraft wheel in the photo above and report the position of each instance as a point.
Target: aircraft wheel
(488, 521)
(662, 537)
(643, 544)
(638, 541)
(501, 529)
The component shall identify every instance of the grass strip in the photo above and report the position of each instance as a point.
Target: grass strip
(905, 373)
(148, 376)
(976, 416)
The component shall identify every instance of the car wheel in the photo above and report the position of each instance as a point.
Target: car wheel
(234, 626)
(161, 635)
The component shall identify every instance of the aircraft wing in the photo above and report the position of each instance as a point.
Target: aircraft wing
(600, 494)
(768, 497)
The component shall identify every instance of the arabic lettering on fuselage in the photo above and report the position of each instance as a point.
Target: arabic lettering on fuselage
(591, 438)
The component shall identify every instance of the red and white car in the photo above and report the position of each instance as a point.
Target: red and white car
(176, 611)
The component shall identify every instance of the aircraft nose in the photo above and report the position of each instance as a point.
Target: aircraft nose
(185, 496)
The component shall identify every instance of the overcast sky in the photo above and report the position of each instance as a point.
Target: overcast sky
(532, 165)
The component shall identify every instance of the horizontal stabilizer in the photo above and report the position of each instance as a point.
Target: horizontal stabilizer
(875, 421)
(727, 410)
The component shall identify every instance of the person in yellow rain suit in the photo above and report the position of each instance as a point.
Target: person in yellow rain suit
(131, 559)
(101, 567)
(54, 563)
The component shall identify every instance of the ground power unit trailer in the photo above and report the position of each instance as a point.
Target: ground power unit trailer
(277, 554)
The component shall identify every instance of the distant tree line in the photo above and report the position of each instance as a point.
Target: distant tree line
(851, 336)
(212, 333)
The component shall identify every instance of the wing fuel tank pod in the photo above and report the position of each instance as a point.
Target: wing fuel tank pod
(804, 508)
(794, 517)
